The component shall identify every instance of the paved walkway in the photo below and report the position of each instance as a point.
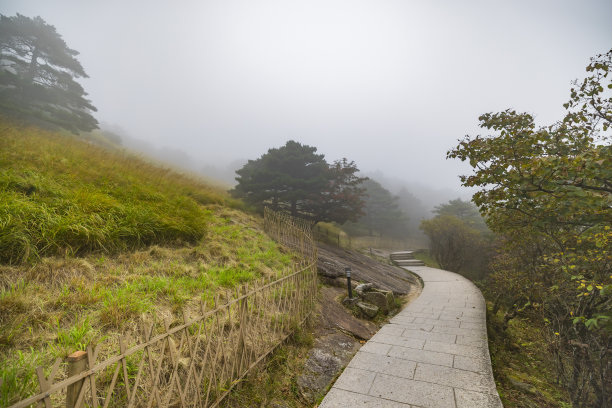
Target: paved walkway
(433, 353)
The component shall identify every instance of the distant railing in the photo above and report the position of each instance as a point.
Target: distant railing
(338, 239)
(295, 233)
(196, 362)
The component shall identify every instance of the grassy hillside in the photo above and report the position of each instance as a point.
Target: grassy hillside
(92, 238)
(61, 195)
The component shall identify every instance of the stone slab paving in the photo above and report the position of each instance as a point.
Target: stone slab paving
(432, 354)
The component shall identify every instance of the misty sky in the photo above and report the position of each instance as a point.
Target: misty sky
(391, 84)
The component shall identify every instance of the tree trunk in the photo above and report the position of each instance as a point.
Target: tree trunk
(33, 65)
(29, 77)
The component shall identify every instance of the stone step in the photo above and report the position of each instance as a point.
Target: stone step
(408, 262)
(401, 255)
(405, 258)
(398, 258)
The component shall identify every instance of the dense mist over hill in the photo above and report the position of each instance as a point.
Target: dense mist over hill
(208, 85)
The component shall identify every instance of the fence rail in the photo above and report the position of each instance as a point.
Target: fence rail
(196, 362)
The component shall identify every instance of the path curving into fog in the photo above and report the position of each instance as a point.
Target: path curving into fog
(433, 353)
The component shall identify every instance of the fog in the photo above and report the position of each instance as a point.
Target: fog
(391, 84)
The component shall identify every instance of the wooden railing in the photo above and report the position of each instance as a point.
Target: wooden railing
(195, 362)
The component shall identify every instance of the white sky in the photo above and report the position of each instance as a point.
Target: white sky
(391, 84)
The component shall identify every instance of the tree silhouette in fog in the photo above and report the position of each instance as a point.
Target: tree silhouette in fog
(37, 76)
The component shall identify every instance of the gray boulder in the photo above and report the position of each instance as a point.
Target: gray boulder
(378, 299)
(382, 298)
(364, 287)
(367, 309)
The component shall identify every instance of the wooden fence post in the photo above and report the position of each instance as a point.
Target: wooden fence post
(302, 244)
(77, 363)
(243, 315)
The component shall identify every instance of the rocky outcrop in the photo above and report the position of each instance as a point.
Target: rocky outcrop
(330, 269)
(383, 299)
(369, 301)
(332, 261)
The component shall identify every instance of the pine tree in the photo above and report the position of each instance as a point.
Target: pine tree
(37, 76)
(293, 178)
(343, 198)
(284, 178)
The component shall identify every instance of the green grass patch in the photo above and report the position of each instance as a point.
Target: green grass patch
(76, 337)
(18, 375)
(123, 305)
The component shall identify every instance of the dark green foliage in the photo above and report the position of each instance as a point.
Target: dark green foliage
(295, 179)
(450, 241)
(524, 374)
(459, 240)
(342, 198)
(37, 76)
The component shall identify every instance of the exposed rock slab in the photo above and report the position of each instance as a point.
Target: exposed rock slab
(333, 260)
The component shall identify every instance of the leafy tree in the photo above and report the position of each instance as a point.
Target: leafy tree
(451, 240)
(37, 76)
(590, 103)
(548, 191)
(295, 179)
(459, 240)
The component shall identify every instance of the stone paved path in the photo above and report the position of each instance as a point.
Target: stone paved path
(433, 353)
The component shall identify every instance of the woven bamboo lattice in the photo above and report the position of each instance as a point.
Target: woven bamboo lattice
(295, 233)
(196, 362)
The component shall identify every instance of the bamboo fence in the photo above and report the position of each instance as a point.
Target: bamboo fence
(292, 232)
(196, 362)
